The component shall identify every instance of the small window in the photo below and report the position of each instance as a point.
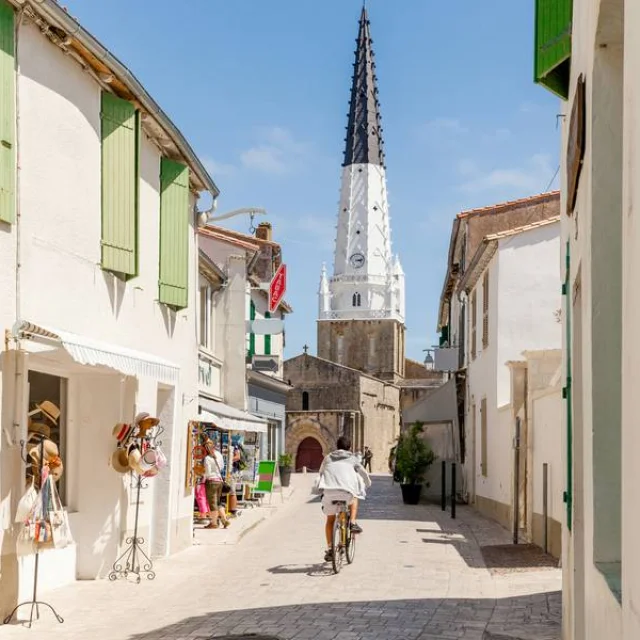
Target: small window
(305, 401)
(357, 300)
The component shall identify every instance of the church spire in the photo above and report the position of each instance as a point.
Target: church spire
(364, 131)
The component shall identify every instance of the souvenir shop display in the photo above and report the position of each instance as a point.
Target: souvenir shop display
(138, 451)
(42, 520)
(239, 469)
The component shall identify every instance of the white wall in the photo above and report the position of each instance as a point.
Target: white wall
(529, 295)
(63, 286)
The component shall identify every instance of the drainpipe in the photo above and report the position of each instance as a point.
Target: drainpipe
(19, 372)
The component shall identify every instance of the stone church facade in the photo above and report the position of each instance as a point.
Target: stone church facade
(330, 400)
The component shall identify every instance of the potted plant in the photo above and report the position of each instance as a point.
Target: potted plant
(285, 466)
(413, 459)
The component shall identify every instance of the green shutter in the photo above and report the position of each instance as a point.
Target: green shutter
(252, 336)
(7, 114)
(553, 45)
(174, 234)
(120, 158)
(267, 339)
(568, 494)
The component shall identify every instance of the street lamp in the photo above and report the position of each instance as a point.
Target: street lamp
(206, 217)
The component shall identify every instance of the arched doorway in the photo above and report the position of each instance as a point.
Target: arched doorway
(309, 455)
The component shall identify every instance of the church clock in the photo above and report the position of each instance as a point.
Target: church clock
(357, 260)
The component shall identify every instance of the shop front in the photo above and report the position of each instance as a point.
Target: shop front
(236, 435)
(63, 397)
(268, 399)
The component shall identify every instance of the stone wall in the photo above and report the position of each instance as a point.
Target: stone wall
(375, 347)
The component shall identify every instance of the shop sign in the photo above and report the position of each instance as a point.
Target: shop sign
(277, 288)
(208, 376)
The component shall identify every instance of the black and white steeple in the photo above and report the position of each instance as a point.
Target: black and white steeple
(367, 281)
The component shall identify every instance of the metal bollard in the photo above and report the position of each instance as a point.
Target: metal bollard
(545, 504)
(443, 491)
(453, 490)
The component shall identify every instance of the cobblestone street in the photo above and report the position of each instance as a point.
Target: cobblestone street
(417, 575)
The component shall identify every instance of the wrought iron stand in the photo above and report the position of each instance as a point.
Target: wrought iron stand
(34, 602)
(134, 560)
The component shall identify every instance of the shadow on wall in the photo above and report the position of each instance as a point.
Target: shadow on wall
(389, 619)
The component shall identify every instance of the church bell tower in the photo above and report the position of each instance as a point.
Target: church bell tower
(361, 306)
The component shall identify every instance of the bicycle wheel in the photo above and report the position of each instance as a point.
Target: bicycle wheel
(336, 545)
(351, 543)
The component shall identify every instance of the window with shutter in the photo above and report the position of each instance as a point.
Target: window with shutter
(267, 339)
(7, 114)
(174, 234)
(252, 336)
(483, 437)
(485, 310)
(552, 56)
(120, 159)
(474, 316)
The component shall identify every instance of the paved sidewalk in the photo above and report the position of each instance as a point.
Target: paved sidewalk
(417, 575)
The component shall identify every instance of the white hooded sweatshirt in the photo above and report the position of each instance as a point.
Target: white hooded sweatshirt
(341, 471)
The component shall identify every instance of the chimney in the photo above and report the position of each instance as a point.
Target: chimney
(263, 232)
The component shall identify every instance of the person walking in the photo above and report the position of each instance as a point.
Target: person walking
(368, 455)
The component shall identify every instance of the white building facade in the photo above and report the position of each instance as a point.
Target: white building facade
(98, 259)
(588, 54)
(511, 293)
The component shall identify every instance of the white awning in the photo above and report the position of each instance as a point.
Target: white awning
(92, 352)
(228, 418)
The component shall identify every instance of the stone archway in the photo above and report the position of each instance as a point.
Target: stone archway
(301, 429)
(309, 455)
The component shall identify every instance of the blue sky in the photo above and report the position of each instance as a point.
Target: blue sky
(260, 88)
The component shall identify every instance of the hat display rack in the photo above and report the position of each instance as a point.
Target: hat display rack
(34, 602)
(134, 561)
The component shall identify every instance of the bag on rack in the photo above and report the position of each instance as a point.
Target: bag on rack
(25, 504)
(58, 520)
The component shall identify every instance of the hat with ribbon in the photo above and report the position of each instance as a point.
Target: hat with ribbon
(122, 432)
(50, 410)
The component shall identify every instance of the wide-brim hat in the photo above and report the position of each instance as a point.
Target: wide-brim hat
(49, 410)
(39, 428)
(50, 449)
(120, 461)
(145, 422)
(56, 471)
(122, 432)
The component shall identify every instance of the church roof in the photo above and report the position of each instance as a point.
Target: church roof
(341, 366)
(364, 130)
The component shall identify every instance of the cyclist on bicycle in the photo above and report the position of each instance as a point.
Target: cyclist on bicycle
(342, 478)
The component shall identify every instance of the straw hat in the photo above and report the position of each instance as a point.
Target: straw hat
(145, 422)
(49, 410)
(119, 461)
(39, 428)
(135, 458)
(122, 432)
(50, 451)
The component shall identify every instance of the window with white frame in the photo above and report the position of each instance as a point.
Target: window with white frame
(206, 319)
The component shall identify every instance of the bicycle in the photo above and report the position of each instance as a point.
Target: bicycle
(343, 542)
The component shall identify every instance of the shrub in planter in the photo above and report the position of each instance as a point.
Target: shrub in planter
(413, 459)
(285, 466)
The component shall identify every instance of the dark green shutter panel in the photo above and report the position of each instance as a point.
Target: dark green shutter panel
(267, 339)
(567, 395)
(553, 45)
(174, 234)
(7, 114)
(120, 142)
(252, 336)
